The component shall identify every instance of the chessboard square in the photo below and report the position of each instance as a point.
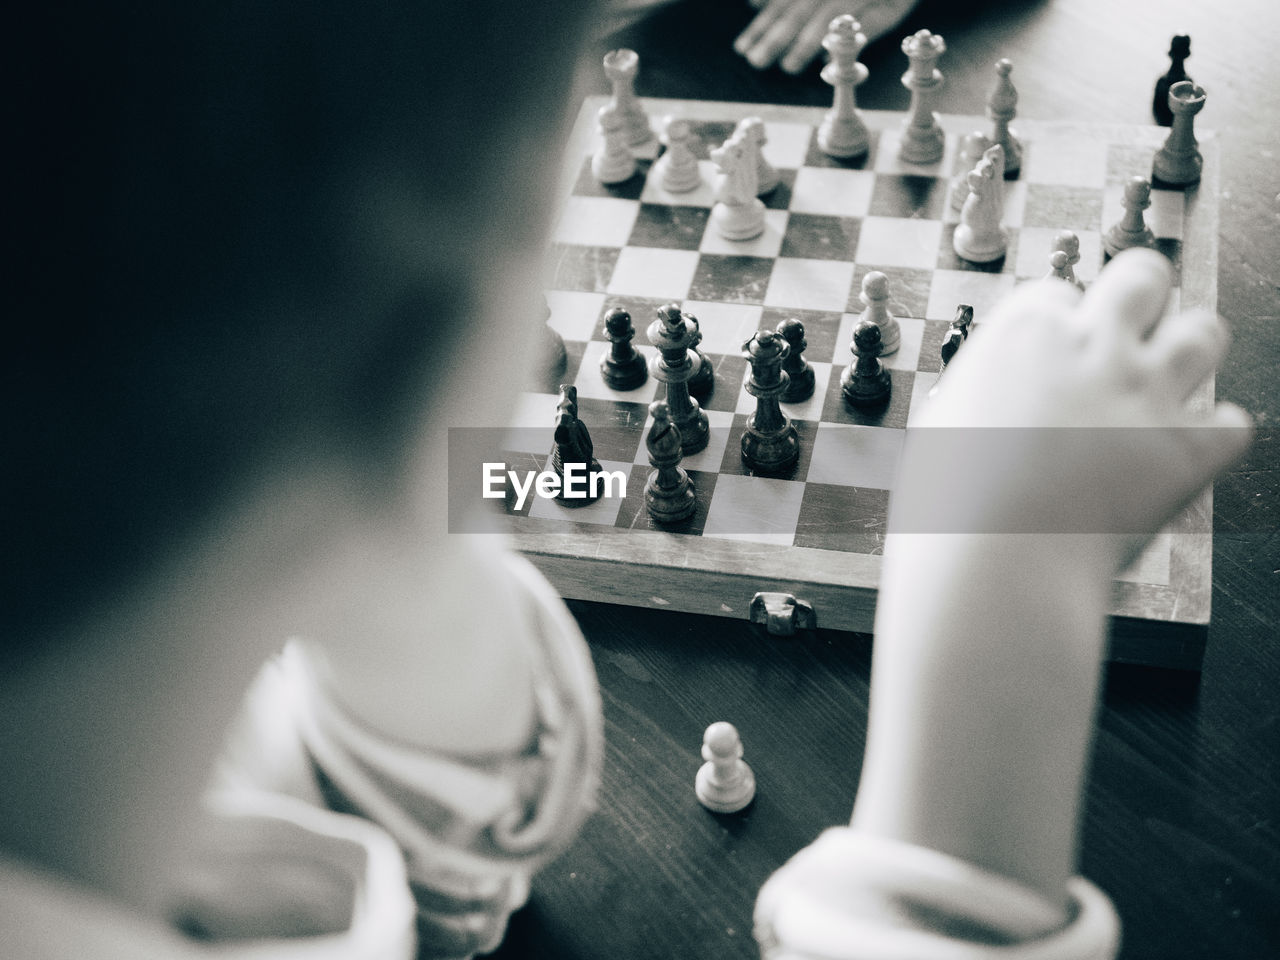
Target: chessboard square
(703, 195)
(1015, 203)
(899, 243)
(832, 192)
(595, 221)
(733, 463)
(890, 413)
(614, 425)
(755, 509)
(725, 327)
(548, 379)
(1035, 244)
(719, 422)
(709, 134)
(668, 226)
(809, 284)
(815, 157)
(1125, 160)
(1063, 207)
(1165, 215)
(728, 369)
(574, 313)
(920, 387)
(846, 519)
(590, 381)
(603, 510)
(820, 328)
(653, 272)
(767, 244)
(856, 456)
(532, 423)
(810, 410)
(779, 198)
(887, 159)
(908, 195)
(908, 289)
(643, 311)
(1076, 160)
(948, 259)
(814, 237)
(588, 185)
(982, 291)
(906, 357)
(730, 279)
(787, 143)
(634, 514)
(572, 266)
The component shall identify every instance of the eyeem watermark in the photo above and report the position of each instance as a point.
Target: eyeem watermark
(577, 483)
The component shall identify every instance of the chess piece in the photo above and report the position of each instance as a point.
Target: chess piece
(963, 320)
(752, 133)
(1064, 257)
(702, 378)
(950, 344)
(621, 67)
(875, 302)
(668, 493)
(724, 784)
(1179, 50)
(799, 371)
(922, 138)
(553, 358)
(613, 161)
(738, 213)
(979, 237)
(865, 382)
(677, 168)
(623, 367)
(1131, 230)
(672, 333)
(972, 146)
(842, 132)
(1178, 162)
(1001, 108)
(770, 443)
(573, 447)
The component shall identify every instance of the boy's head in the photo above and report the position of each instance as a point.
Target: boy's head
(248, 239)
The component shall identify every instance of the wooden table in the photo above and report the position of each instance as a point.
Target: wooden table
(1182, 822)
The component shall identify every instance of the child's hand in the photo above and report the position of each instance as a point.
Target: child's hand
(791, 31)
(1109, 367)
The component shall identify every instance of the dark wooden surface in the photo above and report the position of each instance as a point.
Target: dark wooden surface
(1182, 822)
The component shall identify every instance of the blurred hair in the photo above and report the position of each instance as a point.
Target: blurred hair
(239, 231)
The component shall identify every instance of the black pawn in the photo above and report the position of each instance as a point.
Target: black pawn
(623, 367)
(1179, 50)
(668, 493)
(800, 388)
(552, 357)
(573, 446)
(865, 382)
(703, 379)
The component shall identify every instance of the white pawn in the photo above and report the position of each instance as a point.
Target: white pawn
(875, 300)
(1065, 256)
(725, 784)
(751, 132)
(738, 213)
(1132, 229)
(979, 237)
(678, 166)
(613, 162)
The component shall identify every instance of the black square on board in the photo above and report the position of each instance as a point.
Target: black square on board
(948, 259)
(672, 227)
(634, 515)
(892, 413)
(1062, 208)
(847, 519)
(730, 369)
(630, 189)
(733, 462)
(731, 278)
(908, 196)
(578, 267)
(811, 236)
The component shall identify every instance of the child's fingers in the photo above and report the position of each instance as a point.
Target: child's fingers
(757, 3)
(749, 37)
(781, 33)
(1031, 302)
(1221, 440)
(809, 42)
(1184, 350)
(1130, 295)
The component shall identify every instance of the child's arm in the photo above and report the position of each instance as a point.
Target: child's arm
(991, 615)
(988, 644)
(790, 32)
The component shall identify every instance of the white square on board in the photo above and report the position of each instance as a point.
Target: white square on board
(725, 327)
(1074, 161)
(574, 314)
(590, 382)
(709, 457)
(756, 509)
(603, 511)
(787, 144)
(809, 284)
(895, 242)
(768, 244)
(832, 192)
(654, 272)
(856, 456)
(596, 221)
(980, 290)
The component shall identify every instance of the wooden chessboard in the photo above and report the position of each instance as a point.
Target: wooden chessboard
(818, 533)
